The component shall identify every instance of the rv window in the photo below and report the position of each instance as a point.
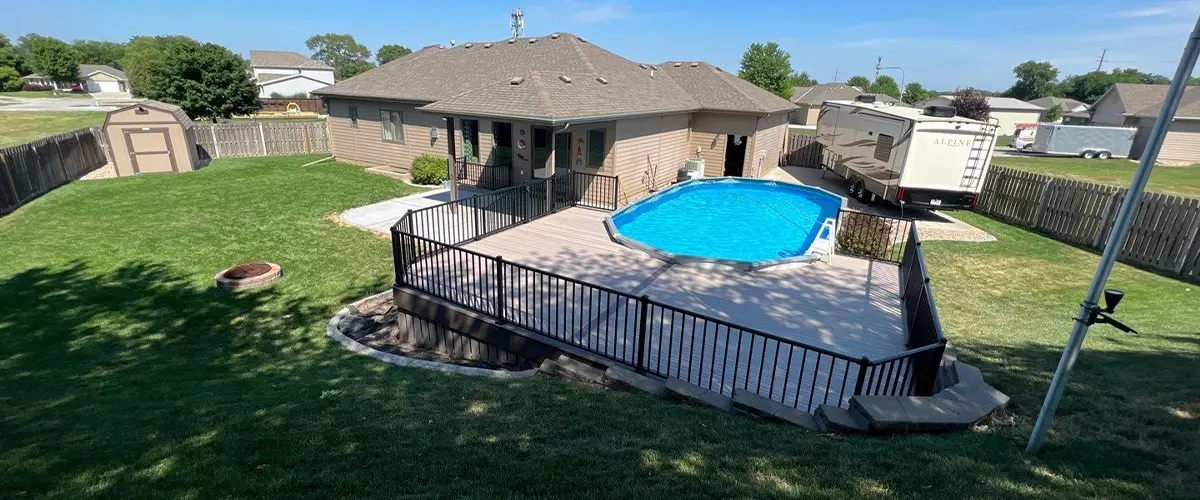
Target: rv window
(883, 148)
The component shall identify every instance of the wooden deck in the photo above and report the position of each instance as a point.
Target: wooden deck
(849, 306)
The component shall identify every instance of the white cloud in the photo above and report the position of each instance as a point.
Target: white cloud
(602, 12)
(876, 42)
(1166, 9)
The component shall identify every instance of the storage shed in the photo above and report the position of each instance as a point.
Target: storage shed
(151, 137)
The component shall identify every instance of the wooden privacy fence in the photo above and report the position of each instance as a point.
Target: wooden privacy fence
(1164, 235)
(32, 169)
(801, 150)
(262, 138)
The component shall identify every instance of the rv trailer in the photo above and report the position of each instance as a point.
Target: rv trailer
(912, 157)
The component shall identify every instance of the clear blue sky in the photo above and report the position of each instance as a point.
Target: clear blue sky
(943, 44)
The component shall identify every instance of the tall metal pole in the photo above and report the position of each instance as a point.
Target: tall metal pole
(1115, 241)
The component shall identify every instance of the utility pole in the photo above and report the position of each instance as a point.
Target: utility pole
(1116, 240)
(835, 73)
(878, 66)
(1103, 52)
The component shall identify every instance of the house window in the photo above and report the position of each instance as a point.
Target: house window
(883, 148)
(470, 133)
(502, 151)
(596, 144)
(391, 125)
(354, 116)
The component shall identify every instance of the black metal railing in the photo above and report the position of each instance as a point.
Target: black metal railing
(647, 335)
(876, 237)
(595, 191)
(484, 176)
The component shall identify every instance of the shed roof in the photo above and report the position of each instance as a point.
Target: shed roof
(175, 111)
(282, 59)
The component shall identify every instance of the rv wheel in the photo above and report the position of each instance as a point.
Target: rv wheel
(1104, 155)
(1089, 154)
(1027, 148)
(855, 185)
(860, 192)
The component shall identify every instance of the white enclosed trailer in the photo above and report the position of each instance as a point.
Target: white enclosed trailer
(915, 157)
(1083, 140)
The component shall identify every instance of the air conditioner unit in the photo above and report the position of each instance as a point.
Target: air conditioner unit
(693, 168)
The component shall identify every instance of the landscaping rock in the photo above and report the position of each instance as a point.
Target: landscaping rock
(621, 378)
(840, 420)
(691, 393)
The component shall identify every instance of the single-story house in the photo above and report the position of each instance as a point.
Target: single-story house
(1005, 110)
(810, 99)
(545, 104)
(288, 73)
(1077, 118)
(1067, 105)
(101, 78)
(1182, 142)
(36, 79)
(1121, 99)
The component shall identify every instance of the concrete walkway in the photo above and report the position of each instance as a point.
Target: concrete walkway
(380, 217)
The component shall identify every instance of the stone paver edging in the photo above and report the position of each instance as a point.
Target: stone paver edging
(336, 334)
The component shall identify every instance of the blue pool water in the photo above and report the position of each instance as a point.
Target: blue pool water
(743, 220)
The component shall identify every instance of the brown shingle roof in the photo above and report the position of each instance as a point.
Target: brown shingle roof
(279, 59)
(1189, 104)
(1137, 96)
(474, 78)
(1048, 102)
(270, 77)
(817, 94)
(87, 69)
(717, 90)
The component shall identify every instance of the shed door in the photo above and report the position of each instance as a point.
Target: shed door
(151, 151)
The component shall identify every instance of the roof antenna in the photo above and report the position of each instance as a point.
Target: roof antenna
(517, 22)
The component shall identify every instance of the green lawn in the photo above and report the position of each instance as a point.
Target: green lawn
(1002, 141)
(18, 127)
(46, 93)
(1182, 181)
(125, 374)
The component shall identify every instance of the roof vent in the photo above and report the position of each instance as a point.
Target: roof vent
(602, 80)
(581, 39)
(554, 36)
(678, 65)
(694, 64)
(643, 66)
(564, 78)
(940, 111)
(867, 98)
(655, 68)
(516, 81)
(533, 40)
(512, 40)
(718, 68)
(468, 45)
(487, 45)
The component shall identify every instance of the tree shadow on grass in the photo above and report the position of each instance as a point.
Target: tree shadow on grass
(139, 382)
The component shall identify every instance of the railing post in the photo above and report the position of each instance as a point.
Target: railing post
(477, 216)
(500, 302)
(616, 185)
(643, 317)
(397, 256)
(862, 374)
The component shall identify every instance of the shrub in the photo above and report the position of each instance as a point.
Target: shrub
(276, 95)
(971, 104)
(10, 80)
(33, 87)
(865, 235)
(430, 170)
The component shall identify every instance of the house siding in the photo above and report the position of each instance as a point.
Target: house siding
(365, 146)
(661, 141)
(1182, 142)
(1109, 111)
(768, 143)
(709, 131)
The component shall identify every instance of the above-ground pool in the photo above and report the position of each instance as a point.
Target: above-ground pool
(744, 223)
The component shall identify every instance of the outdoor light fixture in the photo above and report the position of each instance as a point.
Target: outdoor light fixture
(1112, 297)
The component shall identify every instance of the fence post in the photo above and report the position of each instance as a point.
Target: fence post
(500, 305)
(307, 142)
(643, 317)
(262, 137)
(478, 223)
(616, 189)
(862, 374)
(1039, 213)
(212, 130)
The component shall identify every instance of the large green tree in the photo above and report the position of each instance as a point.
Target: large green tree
(341, 51)
(886, 85)
(391, 52)
(861, 82)
(802, 79)
(768, 66)
(10, 58)
(206, 80)
(1089, 87)
(914, 92)
(99, 52)
(51, 57)
(10, 80)
(1035, 79)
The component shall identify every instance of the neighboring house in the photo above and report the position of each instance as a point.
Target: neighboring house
(1123, 98)
(1005, 110)
(1068, 106)
(1182, 142)
(810, 99)
(100, 78)
(1077, 118)
(547, 104)
(288, 73)
(36, 79)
